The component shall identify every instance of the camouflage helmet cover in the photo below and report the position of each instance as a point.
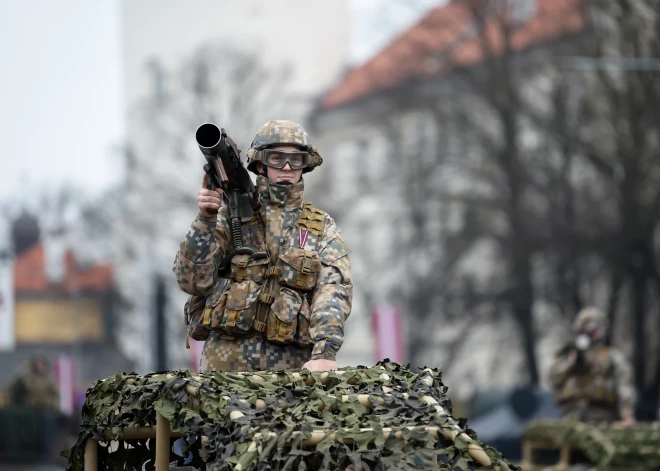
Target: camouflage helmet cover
(587, 315)
(276, 132)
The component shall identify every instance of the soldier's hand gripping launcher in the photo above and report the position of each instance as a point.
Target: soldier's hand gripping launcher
(225, 170)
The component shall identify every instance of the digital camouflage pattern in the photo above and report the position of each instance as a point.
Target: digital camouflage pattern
(303, 293)
(385, 417)
(250, 354)
(605, 444)
(197, 261)
(278, 132)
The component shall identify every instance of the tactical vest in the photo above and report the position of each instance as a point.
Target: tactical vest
(595, 386)
(265, 296)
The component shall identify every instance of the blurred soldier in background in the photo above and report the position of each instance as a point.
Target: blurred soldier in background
(285, 310)
(591, 380)
(34, 388)
(36, 401)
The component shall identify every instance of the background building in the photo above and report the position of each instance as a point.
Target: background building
(62, 309)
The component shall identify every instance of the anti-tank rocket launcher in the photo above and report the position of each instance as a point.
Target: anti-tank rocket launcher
(225, 170)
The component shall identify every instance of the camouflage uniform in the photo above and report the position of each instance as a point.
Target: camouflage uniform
(303, 290)
(35, 389)
(601, 387)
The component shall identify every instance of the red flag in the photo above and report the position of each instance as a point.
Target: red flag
(195, 353)
(65, 375)
(386, 322)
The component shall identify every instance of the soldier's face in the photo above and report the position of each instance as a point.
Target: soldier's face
(285, 174)
(595, 330)
(39, 366)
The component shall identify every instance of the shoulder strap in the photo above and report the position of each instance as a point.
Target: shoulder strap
(312, 219)
(256, 219)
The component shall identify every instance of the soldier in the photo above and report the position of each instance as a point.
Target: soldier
(34, 388)
(591, 380)
(284, 311)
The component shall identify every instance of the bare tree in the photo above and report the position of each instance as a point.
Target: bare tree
(620, 140)
(544, 147)
(495, 115)
(592, 185)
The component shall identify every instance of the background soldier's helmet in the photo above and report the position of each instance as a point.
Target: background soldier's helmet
(589, 315)
(281, 132)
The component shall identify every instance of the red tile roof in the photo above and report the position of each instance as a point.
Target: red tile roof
(30, 274)
(408, 56)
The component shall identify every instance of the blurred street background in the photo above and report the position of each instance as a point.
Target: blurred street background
(493, 164)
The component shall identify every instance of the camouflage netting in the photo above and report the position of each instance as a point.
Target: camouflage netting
(385, 417)
(605, 444)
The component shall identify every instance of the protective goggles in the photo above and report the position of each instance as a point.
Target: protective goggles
(591, 327)
(278, 158)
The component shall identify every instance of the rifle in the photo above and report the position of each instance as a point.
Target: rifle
(225, 170)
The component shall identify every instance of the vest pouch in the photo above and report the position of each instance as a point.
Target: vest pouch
(283, 317)
(244, 268)
(199, 312)
(215, 304)
(303, 336)
(240, 308)
(602, 389)
(193, 313)
(300, 269)
(569, 391)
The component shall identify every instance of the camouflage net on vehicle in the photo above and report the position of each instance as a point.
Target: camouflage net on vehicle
(604, 444)
(385, 417)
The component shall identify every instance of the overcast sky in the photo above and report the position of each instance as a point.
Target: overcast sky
(60, 93)
(377, 22)
(61, 106)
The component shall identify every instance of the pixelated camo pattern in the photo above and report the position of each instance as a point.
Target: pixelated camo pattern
(300, 269)
(196, 263)
(281, 132)
(250, 354)
(239, 312)
(275, 230)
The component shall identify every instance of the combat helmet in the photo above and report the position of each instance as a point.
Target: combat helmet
(279, 131)
(587, 315)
